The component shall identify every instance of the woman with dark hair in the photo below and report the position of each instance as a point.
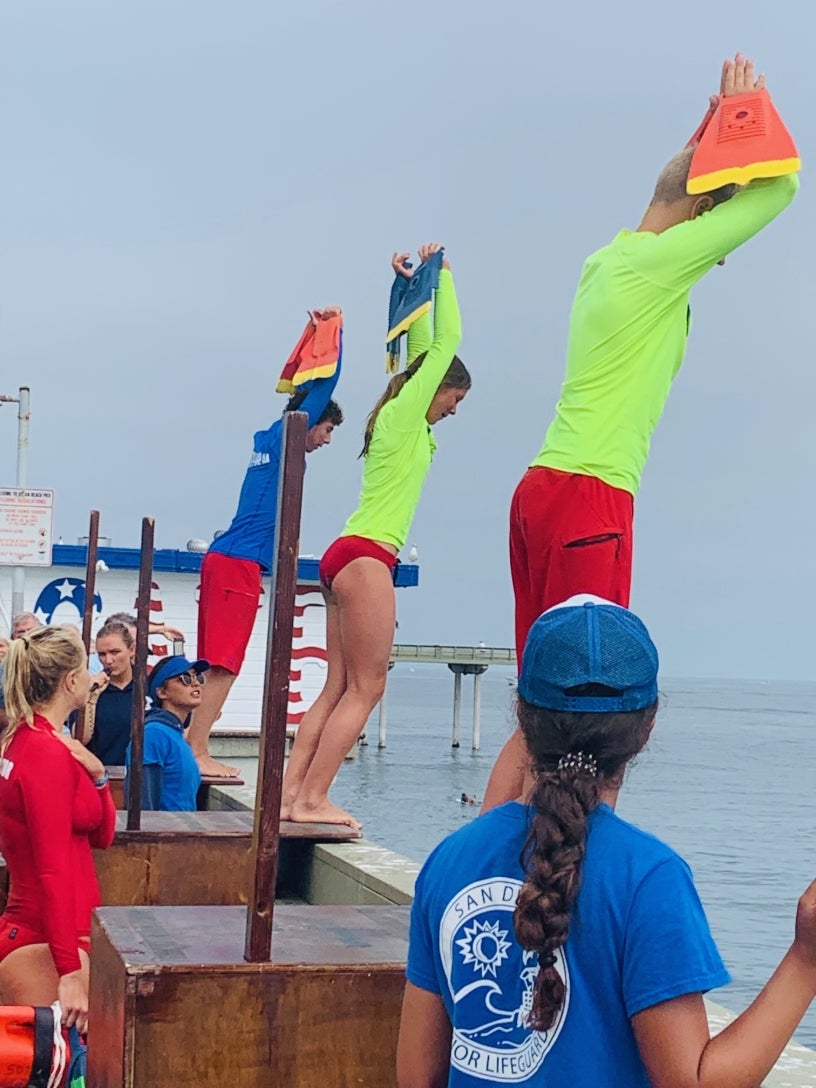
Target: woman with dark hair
(170, 774)
(357, 570)
(237, 559)
(55, 804)
(554, 943)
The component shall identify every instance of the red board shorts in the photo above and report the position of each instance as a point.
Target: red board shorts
(345, 549)
(227, 607)
(569, 534)
(13, 935)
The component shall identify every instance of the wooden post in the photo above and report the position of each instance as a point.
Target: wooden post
(261, 904)
(88, 607)
(134, 816)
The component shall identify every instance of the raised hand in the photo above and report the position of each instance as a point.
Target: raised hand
(429, 249)
(738, 76)
(400, 264)
(317, 315)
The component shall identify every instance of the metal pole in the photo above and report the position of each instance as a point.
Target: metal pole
(457, 708)
(477, 711)
(23, 418)
(268, 795)
(88, 603)
(134, 816)
(383, 720)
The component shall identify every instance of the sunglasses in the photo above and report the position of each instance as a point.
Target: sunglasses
(190, 678)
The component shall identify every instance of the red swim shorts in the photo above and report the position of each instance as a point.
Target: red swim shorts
(344, 549)
(13, 935)
(569, 534)
(227, 607)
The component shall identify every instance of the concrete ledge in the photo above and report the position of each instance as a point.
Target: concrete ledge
(235, 798)
(359, 873)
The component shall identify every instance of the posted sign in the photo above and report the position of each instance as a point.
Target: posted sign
(26, 527)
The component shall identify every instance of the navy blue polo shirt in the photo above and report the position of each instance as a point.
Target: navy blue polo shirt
(112, 725)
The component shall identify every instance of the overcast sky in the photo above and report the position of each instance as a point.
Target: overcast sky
(180, 181)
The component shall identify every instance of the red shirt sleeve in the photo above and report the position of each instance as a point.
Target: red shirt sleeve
(47, 791)
(102, 835)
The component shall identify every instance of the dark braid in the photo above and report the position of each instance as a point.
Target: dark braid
(552, 859)
(553, 855)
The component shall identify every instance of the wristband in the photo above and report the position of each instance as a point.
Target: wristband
(103, 781)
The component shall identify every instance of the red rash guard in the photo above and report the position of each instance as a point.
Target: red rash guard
(51, 814)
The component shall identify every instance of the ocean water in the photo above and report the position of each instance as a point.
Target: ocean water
(727, 780)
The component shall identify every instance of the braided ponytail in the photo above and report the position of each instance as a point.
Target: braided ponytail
(574, 755)
(552, 858)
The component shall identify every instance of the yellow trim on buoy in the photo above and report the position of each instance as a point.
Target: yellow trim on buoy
(742, 175)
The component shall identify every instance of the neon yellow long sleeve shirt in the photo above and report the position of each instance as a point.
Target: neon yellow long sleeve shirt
(402, 445)
(628, 332)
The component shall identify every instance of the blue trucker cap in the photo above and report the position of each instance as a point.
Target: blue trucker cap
(587, 640)
(170, 667)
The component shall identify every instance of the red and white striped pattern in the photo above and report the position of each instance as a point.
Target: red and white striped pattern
(308, 665)
(157, 646)
(309, 658)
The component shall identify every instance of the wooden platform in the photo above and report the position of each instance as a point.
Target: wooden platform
(117, 786)
(198, 858)
(173, 1002)
(181, 858)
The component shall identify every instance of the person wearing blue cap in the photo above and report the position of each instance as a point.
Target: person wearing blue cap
(170, 776)
(552, 942)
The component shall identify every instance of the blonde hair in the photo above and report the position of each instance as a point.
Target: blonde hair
(673, 178)
(36, 665)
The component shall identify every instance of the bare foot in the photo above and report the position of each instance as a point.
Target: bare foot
(213, 769)
(323, 812)
(286, 812)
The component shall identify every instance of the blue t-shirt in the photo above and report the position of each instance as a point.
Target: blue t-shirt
(638, 936)
(251, 534)
(166, 748)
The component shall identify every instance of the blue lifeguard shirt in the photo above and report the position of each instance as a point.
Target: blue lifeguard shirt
(166, 749)
(251, 534)
(638, 936)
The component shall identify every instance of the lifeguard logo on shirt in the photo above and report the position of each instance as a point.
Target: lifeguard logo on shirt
(491, 982)
(6, 767)
(258, 459)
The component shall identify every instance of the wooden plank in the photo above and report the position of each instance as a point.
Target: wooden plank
(117, 786)
(325, 1013)
(220, 822)
(212, 936)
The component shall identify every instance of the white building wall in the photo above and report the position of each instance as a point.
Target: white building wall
(52, 589)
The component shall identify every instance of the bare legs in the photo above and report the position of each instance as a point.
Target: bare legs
(28, 976)
(213, 696)
(360, 619)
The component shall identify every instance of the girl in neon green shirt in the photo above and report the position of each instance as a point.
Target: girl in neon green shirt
(357, 569)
